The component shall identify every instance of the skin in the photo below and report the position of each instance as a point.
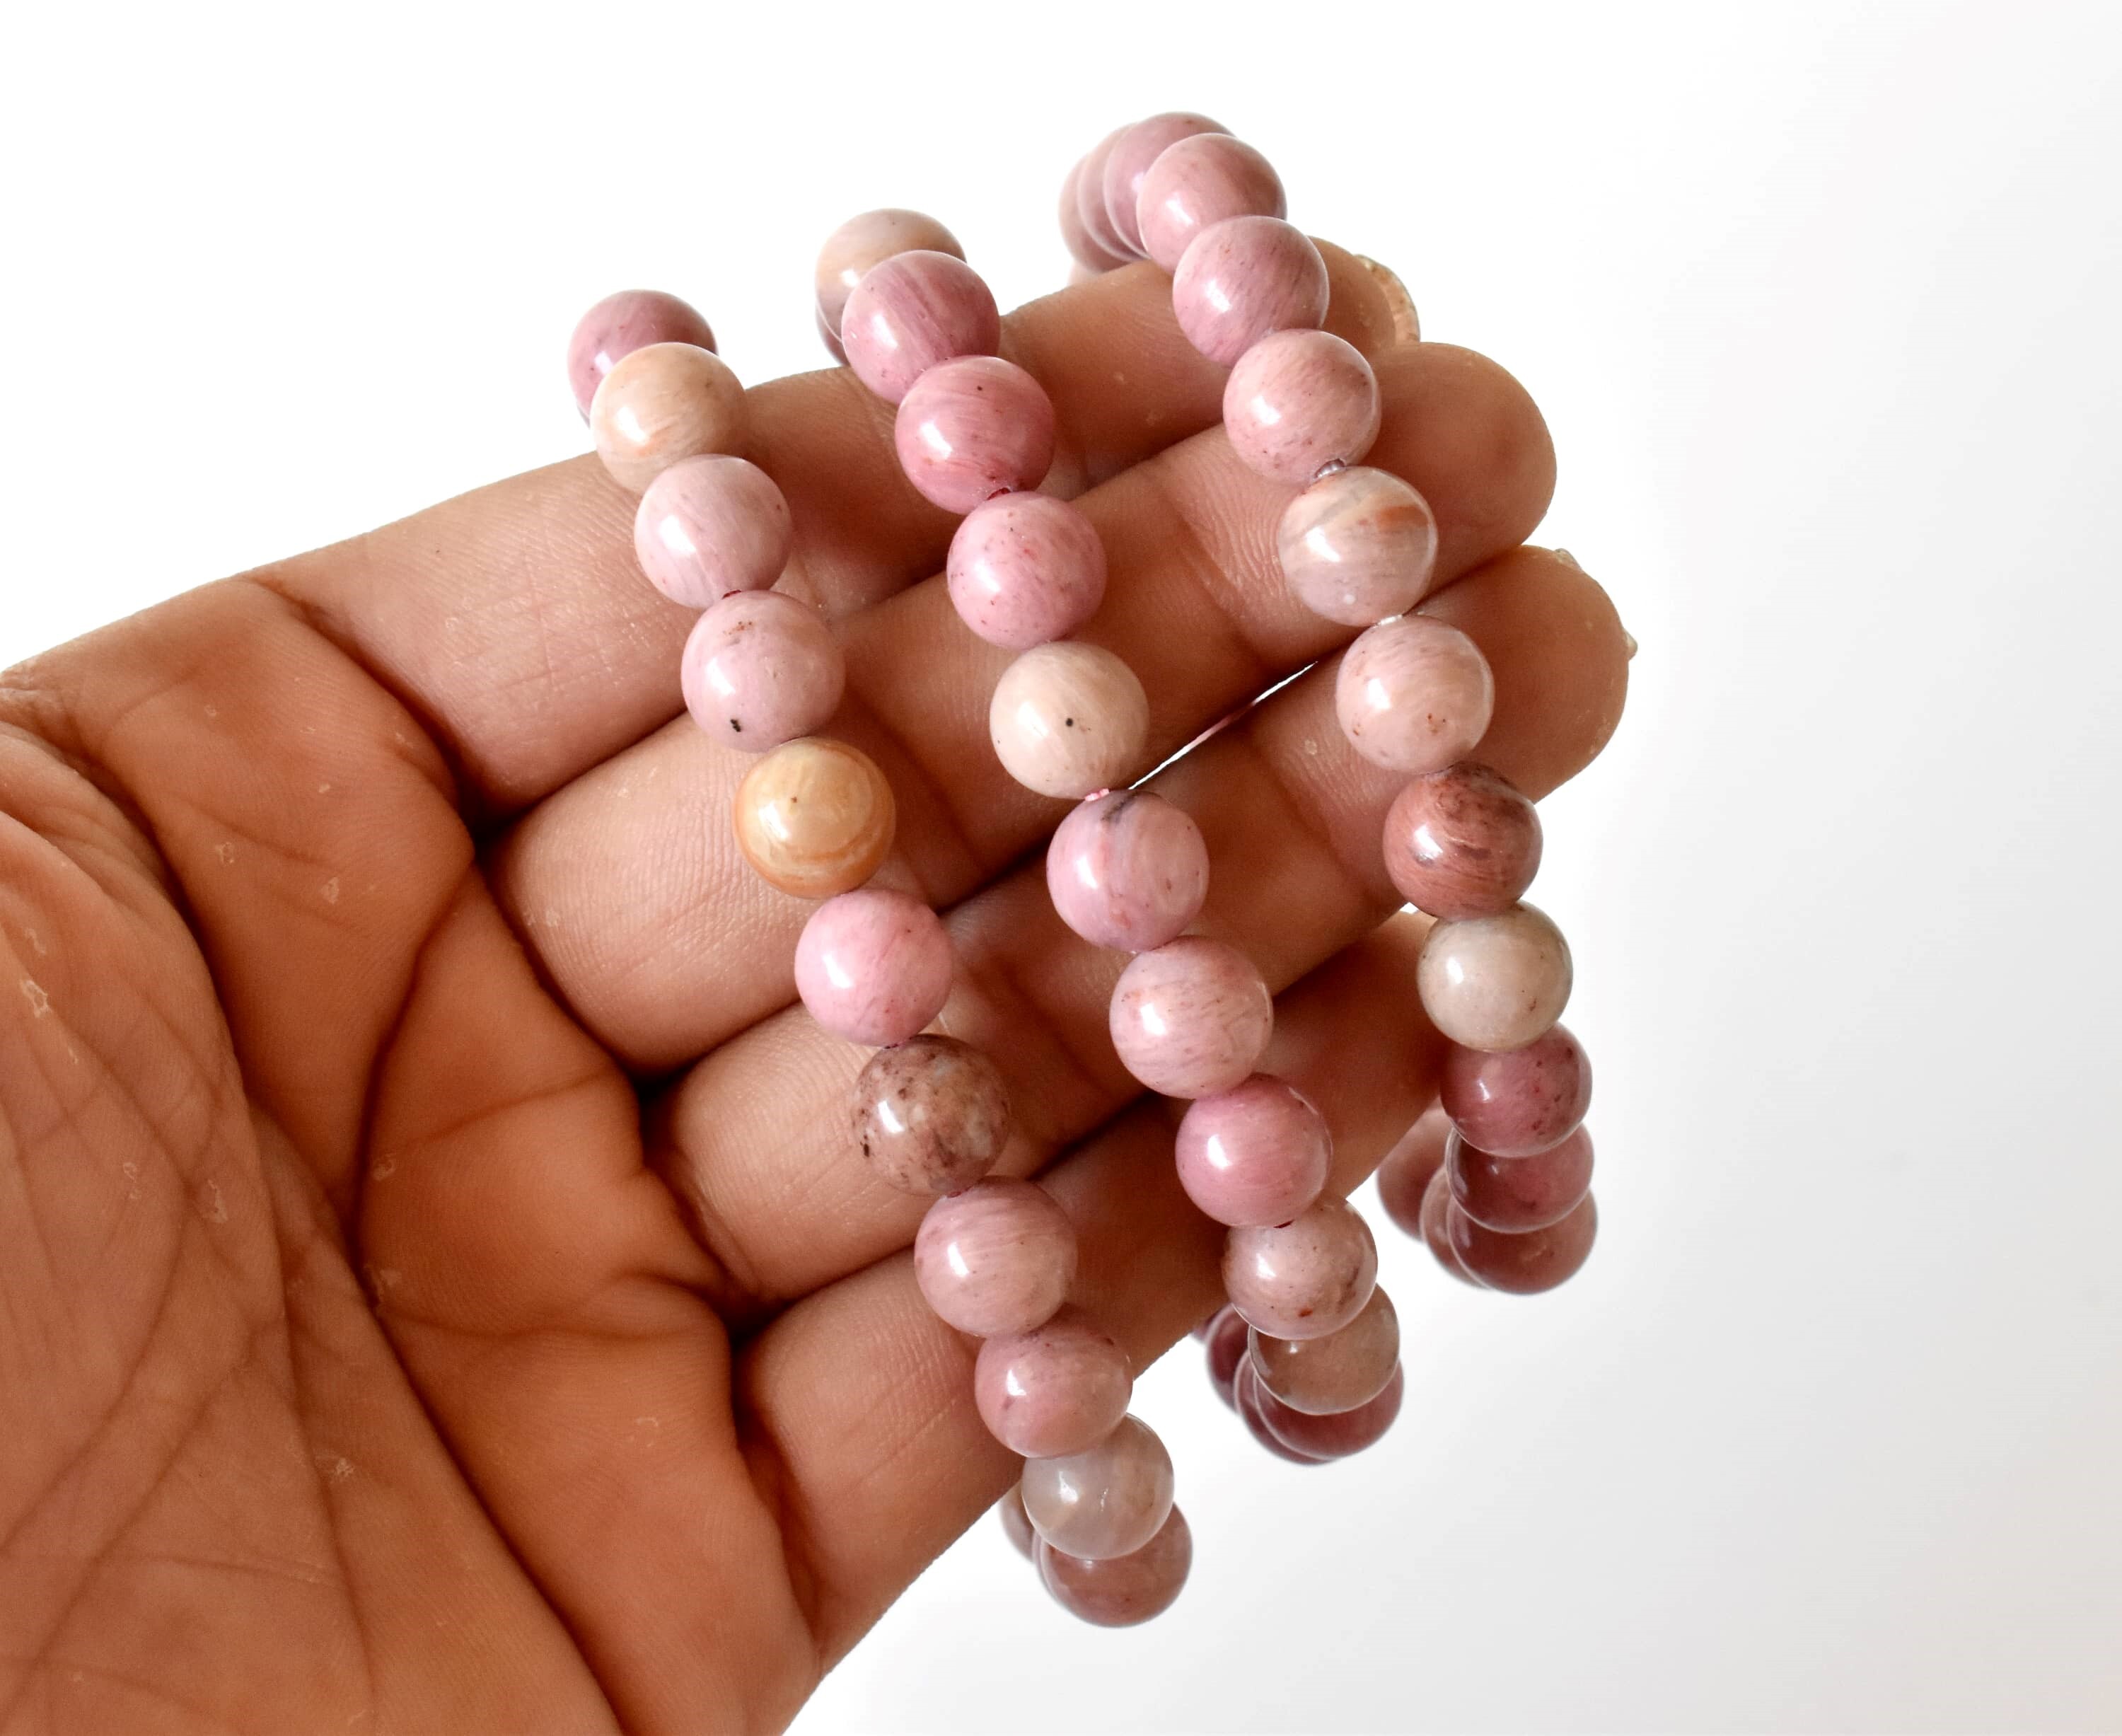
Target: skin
(406, 1323)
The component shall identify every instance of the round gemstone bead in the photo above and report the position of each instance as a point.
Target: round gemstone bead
(1059, 1388)
(1414, 695)
(621, 323)
(1191, 1017)
(1461, 842)
(1522, 1265)
(1436, 1229)
(1306, 1278)
(662, 403)
(1257, 1153)
(866, 240)
(1404, 1176)
(1336, 1435)
(931, 1115)
(1198, 181)
(1126, 1590)
(912, 311)
(759, 669)
(972, 427)
(1243, 278)
(1495, 982)
(1068, 718)
(1091, 199)
(711, 524)
(815, 817)
(1109, 1500)
(1136, 148)
(1248, 1396)
(1128, 870)
(1321, 1376)
(1515, 1104)
(1513, 1195)
(1024, 569)
(1357, 546)
(1297, 401)
(1228, 1335)
(873, 966)
(1090, 256)
(994, 1258)
(1015, 1526)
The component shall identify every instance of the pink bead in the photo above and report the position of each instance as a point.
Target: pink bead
(1090, 256)
(1247, 1395)
(1128, 870)
(1522, 1101)
(1461, 842)
(1495, 982)
(760, 668)
(1200, 182)
(711, 524)
(997, 1257)
(1191, 1017)
(873, 966)
(910, 312)
(1404, 1178)
(1228, 1337)
(1297, 401)
(1015, 1526)
(931, 1115)
(1091, 199)
(621, 323)
(1136, 148)
(863, 242)
(1107, 1501)
(1324, 1376)
(1024, 569)
(1058, 1388)
(1436, 1229)
(1068, 718)
(1128, 1590)
(1257, 1153)
(1513, 1195)
(1243, 278)
(1306, 1278)
(1414, 695)
(973, 427)
(1357, 545)
(1335, 1436)
(1523, 1265)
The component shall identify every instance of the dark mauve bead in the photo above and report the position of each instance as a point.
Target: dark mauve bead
(1228, 1337)
(1515, 1194)
(1461, 842)
(1523, 1265)
(1404, 1176)
(931, 1115)
(1436, 1210)
(1337, 1434)
(1124, 1589)
(1247, 1397)
(1518, 1101)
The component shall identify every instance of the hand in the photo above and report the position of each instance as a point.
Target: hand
(437, 1288)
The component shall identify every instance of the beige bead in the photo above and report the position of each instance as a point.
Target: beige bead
(1068, 719)
(1495, 982)
(815, 817)
(662, 403)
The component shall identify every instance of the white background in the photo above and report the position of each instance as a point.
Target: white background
(1821, 304)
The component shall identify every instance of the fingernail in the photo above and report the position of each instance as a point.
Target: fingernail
(1406, 323)
(1567, 559)
(1628, 639)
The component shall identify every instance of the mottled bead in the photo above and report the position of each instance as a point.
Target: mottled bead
(1336, 1435)
(1198, 181)
(1024, 569)
(1015, 1526)
(1404, 1176)
(760, 668)
(815, 817)
(1090, 258)
(996, 1257)
(1126, 1590)
(1495, 982)
(1522, 1265)
(621, 323)
(1399, 305)
(1248, 1396)
(973, 427)
(1357, 546)
(1091, 199)
(873, 966)
(1243, 278)
(711, 524)
(1414, 695)
(1128, 162)
(1128, 870)
(1461, 842)
(1436, 1229)
(1059, 1388)
(662, 403)
(1108, 1499)
(1227, 1337)
(1514, 1104)
(1306, 1278)
(912, 311)
(868, 241)
(931, 1115)
(1322, 1376)
(1257, 1153)
(1297, 401)
(1068, 718)
(1515, 1194)
(1191, 1017)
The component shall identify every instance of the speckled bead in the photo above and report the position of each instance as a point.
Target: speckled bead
(760, 668)
(1513, 1195)
(1258, 1153)
(665, 402)
(1128, 870)
(1198, 181)
(1191, 1017)
(1357, 546)
(873, 966)
(1126, 1590)
(1068, 718)
(1461, 843)
(1024, 569)
(912, 311)
(1322, 1376)
(972, 427)
(1059, 1388)
(1495, 982)
(1297, 401)
(864, 242)
(1413, 695)
(621, 323)
(1336, 1435)
(814, 817)
(995, 1258)
(711, 524)
(931, 1115)
(1515, 1104)
(1404, 1176)
(1243, 278)
(1127, 162)
(1226, 1340)
(1109, 1500)
(1526, 1265)
(1306, 1278)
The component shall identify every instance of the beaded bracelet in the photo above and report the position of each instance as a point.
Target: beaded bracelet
(1497, 1180)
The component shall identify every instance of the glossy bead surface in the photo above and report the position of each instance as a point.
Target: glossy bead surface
(1248, 1398)
(1414, 695)
(1495, 982)
(1015, 1526)
(1297, 401)
(621, 323)
(1090, 256)
(873, 966)
(815, 817)
(1024, 569)
(662, 403)
(1522, 1265)
(1108, 1499)
(972, 427)
(996, 1257)
(1436, 1229)
(1068, 718)
(1191, 1017)
(760, 668)
(1512, 1195)
(711, 524)
(1306, 1278)
(1126, 164)
(1461, 842)
(931, 1115)
(1198, 181)
(1257, 1153)
(1059, 1388)
(1128, 870)
(1090, 200)
(1336, 1435)
(1404, 1176)
(1338, 1372)
(1357, 545)
(1126, 1590)
(866, 240)
(912, 311)
(1227, 1338)
(1243, 278)
(1514, 1104)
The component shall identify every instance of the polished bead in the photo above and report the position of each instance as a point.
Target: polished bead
(1306, 1278)
(1436, 1228)
(1059, 1388)
(1248, 1396)
(1126, 1590)
(1297, 401)
(621, 323)
(1228, 1336)
(1090, 200)
(662, 403)
(1414, 695)
(1257, 1153)
(1404, 1176)
(1108, 1499)
(973, 427)
(711, 524)
(1495, 982)
(1358, 545)
(1461, 842)
(1128, 870)
(873, 966)
(1515, 1104)
(1338, 1372)
(1136, 148)
(912, 311)
(1191, 1017)
(996, 1257)
(1024, 569)
(760, 668)
(1523, 1265)
(1243, 278)
(869, 240)
(815, 817)
(931, 1115)
(1068, 718)
(1090, 256)
(1198, 181)
(1515, 1194)
(1336, 1435)
(1015, 1526)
